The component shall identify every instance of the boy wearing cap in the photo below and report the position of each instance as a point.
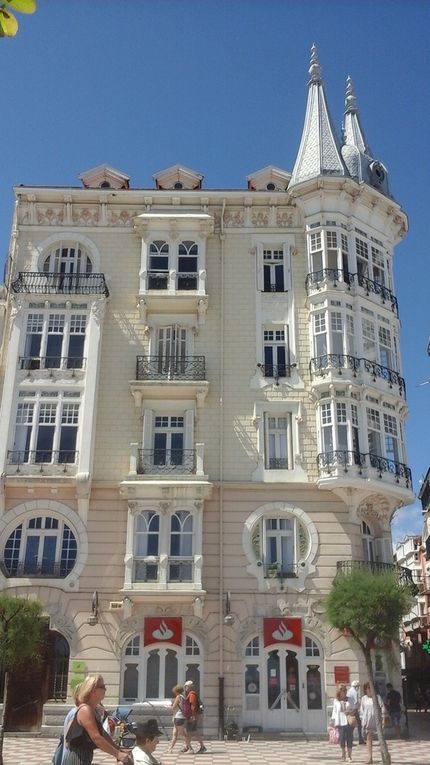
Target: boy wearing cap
(353, 696)
(193, 722)
(147, 734)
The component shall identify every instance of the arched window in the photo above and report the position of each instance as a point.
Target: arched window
(181, 547)
(188, 252)
(368, 543)
(57, 666)
(158, 265)
(41, 547)
(151, 672)
(252, 675)
(68, 259)
(147, 537)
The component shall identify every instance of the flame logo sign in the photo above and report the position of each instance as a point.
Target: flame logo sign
(282, 633)
(163, 632)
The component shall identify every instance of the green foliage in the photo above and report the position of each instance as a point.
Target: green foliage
(21, 631)
(368, 604)
(8, 22)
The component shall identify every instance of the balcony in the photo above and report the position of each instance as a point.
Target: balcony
(277, 371)
(47, 461)
(337, 277)
(47, 570)
(172, 291)
(403, 574)
(337, 363)
(338, 463)
(170, 377)
(166, 461)
(280, 571)
(51, 283)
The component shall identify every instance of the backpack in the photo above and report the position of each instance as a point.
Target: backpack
(185, 707)
(58, 753)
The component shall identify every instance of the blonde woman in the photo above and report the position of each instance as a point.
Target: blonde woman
(181, 710)
(85, 731)
(341, 708)
(368, 718)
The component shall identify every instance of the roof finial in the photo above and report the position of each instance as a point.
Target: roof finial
(350, 98)
(314, 69)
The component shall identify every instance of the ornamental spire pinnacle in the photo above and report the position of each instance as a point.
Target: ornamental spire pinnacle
(319, 152)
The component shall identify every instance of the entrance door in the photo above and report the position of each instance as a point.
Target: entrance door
(283, 708)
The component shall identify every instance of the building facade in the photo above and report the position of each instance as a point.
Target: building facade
(202, 422)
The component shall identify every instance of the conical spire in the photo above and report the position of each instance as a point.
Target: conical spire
(356, 152)
(319, 152)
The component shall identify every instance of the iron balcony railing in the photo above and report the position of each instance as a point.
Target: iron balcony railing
(336, 275)
(276, 370)
(49, 283)
(155, 461)
(404, 575)
(187, 281)
(180, 570)
(340, 458)
(280, 570)
(45, 569)
(158, 280)
(42, 457)
(339, 361)
(145, 571)
(51, 362)
(277, 463)
(170, 368)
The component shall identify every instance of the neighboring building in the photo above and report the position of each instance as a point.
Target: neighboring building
(202, 422)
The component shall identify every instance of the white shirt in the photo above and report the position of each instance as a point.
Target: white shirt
(352, 697)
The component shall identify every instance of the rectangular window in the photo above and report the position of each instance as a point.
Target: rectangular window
(273, 270)
(276, 358)
(278, 451)
(45, 431)
(374, 431)
(54, 341)
(168, 440)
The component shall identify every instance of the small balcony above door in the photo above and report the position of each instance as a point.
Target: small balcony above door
(170, 377)
(57, 283)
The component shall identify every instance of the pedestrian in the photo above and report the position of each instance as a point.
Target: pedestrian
(182, 712)
(354, 697)
(193, 725)
(341, 709)
(368, 718)
(147, 738)
(85, 731)
(393, 703)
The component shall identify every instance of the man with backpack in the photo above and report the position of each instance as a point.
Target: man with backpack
(196, 710)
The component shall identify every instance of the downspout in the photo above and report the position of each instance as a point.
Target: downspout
(221, 720)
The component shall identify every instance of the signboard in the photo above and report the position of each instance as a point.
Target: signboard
(282, 630)
(162, 629)
(341, 675)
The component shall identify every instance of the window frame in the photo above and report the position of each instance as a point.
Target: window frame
(46, 321)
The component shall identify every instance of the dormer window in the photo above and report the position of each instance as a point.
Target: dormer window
(105, 185)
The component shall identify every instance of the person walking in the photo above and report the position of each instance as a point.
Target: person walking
(368, 718)
(85, 732)
(193, 725)
(354, 698)
(341, 708)
(393, 703)
(182, 712)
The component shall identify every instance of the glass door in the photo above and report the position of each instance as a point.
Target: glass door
(283, 709)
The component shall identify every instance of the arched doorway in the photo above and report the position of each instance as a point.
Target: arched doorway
(34, 683)
(284, 686)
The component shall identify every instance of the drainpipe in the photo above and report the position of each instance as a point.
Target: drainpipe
(221, 490)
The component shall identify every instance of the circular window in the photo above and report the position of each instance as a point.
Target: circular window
(178, 185)
(270, 187)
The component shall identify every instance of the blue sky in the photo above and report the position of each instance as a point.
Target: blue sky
(220, 86)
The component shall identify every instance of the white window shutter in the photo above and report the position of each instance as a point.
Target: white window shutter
(189, 429)
(259, 267)
(148, 428)
(287, 267)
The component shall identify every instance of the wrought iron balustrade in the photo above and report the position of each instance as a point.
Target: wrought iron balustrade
(180, 570)
(327, 461)
(321, 364)
(51, 283)
(158, 280)
(51, 362)
(170, 368)
(280, 570)
(403, 575)
(42, 457)
(276, 370)
(46, 569)
(277, 463)
(155, 461)
(338, 275)
(145, 571)
(186, 281)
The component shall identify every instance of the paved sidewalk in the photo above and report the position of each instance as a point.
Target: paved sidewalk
(415, 751)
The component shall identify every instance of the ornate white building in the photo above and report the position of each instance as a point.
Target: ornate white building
(202, 421)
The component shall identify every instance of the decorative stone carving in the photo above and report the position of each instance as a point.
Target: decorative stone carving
(50, 216)
(260, 218)
(284, 219)
(233, 219)
(85, 217)
(98, 308)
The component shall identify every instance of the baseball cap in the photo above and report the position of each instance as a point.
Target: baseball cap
(355, 683)
(148, 728)
(187, 683)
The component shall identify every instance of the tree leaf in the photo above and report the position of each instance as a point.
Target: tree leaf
(23, 6)
(8, 24)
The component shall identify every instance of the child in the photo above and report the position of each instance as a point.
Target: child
(147, 734)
